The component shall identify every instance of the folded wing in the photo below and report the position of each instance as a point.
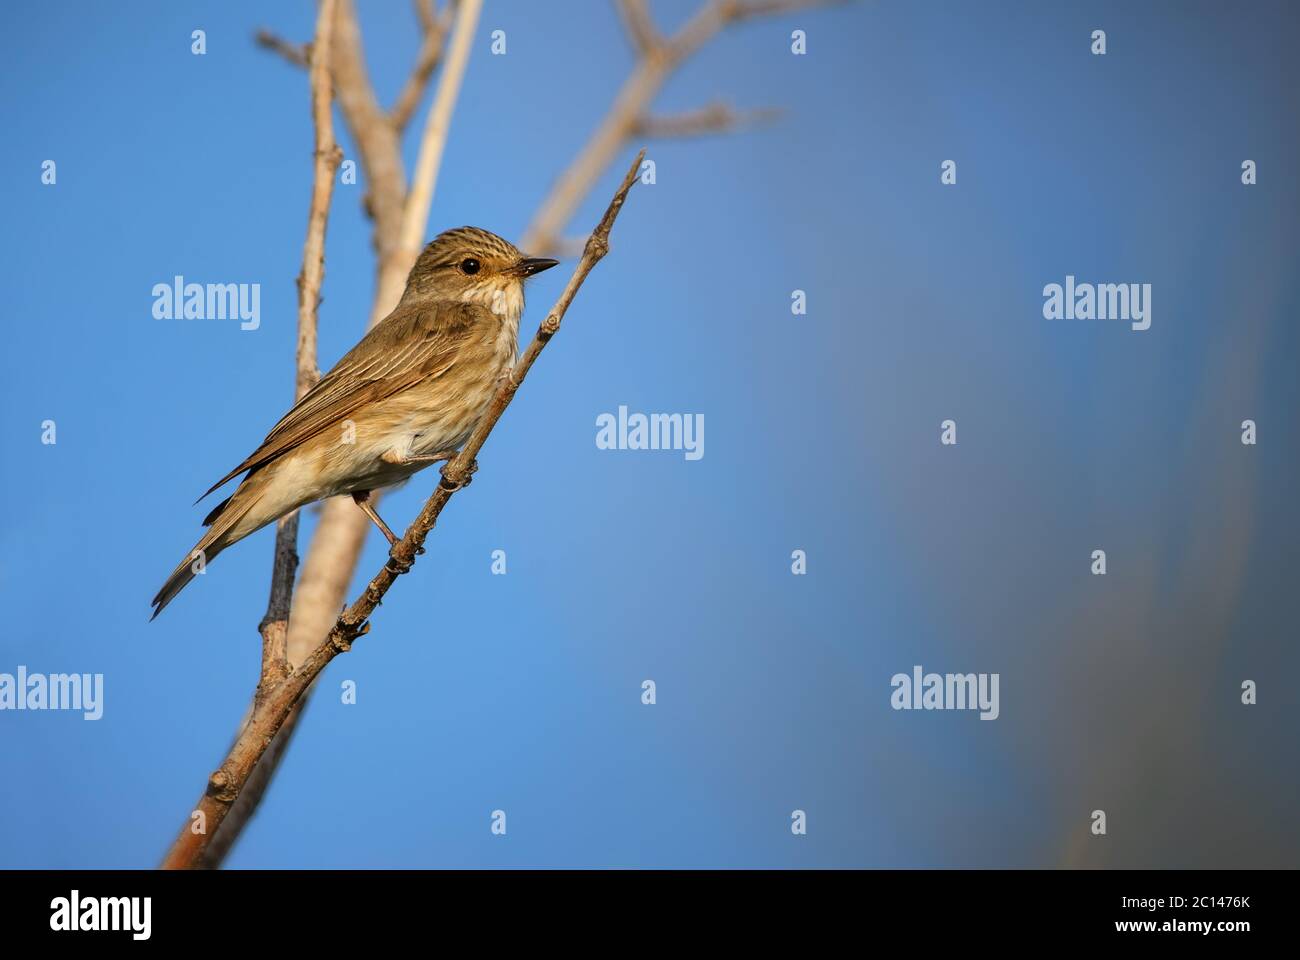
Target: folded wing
(411, 345)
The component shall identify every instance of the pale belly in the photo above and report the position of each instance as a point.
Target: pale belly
(420, 422)
(329, 466)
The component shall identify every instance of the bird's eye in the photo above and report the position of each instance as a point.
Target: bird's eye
(469, 265)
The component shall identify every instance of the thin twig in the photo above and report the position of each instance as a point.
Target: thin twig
(415, 216)
(298, 54)
(431, 47)
(631, 106)
(274, 627)
(714, 118)
(228, 782)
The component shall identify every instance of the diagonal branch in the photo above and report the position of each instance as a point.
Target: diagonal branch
(227, 783)
(242, 811)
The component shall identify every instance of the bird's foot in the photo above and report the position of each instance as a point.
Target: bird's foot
(452, 485)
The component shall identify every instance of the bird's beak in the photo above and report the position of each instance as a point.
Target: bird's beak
(531, 265)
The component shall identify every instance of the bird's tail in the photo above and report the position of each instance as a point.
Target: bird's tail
(221, 533)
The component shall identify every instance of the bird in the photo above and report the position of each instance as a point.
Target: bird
(408, 395)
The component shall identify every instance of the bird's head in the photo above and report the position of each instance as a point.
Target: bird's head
(471, 265)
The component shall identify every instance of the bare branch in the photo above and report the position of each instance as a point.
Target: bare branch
(375, 137)
(229, 781)
(640, 28)
(435, 33)
(274, 627)
(328, 156)
(714, 118)
(632, 105)
(243, 810)
(298, 54)
(415, 215)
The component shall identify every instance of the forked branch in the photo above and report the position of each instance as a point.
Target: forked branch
(629, 115)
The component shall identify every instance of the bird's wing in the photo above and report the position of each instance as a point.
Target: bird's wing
(412, 344)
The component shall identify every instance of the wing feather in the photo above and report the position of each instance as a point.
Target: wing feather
(414, 343)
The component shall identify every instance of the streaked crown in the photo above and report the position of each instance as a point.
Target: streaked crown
(448, 248)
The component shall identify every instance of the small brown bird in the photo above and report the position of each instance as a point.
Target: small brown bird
(407, 396)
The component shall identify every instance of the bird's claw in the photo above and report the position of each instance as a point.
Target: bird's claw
(452, 485)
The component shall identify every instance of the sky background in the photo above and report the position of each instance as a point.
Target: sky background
(522, 692)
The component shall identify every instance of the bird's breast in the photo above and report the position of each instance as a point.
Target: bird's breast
(430, 417)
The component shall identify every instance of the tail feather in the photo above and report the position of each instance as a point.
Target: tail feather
(220, 523)
(181, 577)
(215, 512)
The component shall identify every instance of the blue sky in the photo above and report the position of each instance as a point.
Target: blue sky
(522, 692)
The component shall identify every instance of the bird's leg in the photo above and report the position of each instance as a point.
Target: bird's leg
(362, 499)
(398, 460)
